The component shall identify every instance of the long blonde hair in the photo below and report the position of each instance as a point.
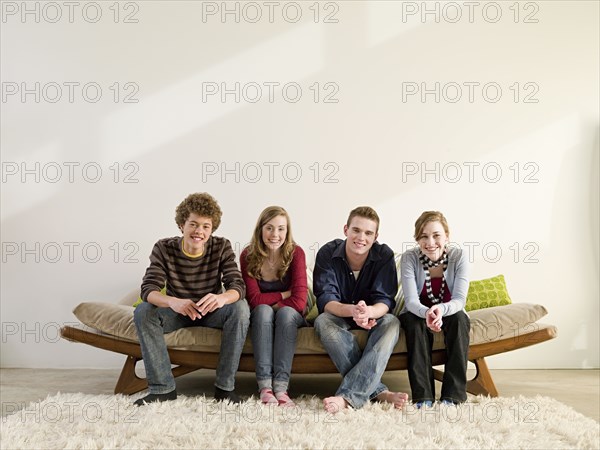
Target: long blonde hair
(257, 250)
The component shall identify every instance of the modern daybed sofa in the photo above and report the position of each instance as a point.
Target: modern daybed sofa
(110, 326)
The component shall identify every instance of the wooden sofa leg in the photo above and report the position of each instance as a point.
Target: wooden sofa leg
(482, 384)
(129, 383)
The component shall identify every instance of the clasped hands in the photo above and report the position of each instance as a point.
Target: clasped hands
(433, 318)
(197, 310)
(361, 315)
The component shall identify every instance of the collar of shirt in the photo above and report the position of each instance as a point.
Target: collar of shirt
(374, 252)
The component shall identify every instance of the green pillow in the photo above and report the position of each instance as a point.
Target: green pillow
(163, 291)
(311, 301)
(487, 293)
(312, 314)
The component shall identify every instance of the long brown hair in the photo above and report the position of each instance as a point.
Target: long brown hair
(257, 250)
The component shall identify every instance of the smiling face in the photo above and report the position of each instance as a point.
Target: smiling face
(432, 240)
(196, 231)
(274, 232)
(361, 234)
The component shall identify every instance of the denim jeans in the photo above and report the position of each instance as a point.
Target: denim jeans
(419, 342)
(152, 322)
(274, 342)
(361, 369)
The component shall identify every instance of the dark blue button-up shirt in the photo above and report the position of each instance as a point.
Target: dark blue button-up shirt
(333, 279)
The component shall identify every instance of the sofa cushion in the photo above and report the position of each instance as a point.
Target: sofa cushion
(131, 298)
(503, 322)
(487, 325)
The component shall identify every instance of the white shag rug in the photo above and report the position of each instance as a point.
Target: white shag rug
(85, 421)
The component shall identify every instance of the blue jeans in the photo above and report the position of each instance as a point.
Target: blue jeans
(362, 370)
(152, 322)
(273, 336)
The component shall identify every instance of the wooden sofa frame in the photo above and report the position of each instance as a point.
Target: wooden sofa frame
(188, 360)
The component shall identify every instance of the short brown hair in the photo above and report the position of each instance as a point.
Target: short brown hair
(364, 211)
(202, 204)
(430, 216)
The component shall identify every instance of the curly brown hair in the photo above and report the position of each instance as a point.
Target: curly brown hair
(257, 250)
(202, 204)
(430, 216)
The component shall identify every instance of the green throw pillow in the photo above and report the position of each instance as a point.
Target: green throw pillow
(311, 301)
(163, 291)
(487, 293)
(312, 314)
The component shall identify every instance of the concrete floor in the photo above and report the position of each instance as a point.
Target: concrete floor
(579, 389)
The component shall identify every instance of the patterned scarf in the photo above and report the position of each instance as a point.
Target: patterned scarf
(428, 264)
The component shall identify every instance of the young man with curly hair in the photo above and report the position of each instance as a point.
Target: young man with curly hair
(194, 267)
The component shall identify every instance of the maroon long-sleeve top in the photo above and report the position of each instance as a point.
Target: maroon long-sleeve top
(297, 284)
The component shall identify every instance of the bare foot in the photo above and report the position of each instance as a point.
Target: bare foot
(398, 399)
(334, 404)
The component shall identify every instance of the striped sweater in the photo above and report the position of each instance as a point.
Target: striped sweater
(192, 278)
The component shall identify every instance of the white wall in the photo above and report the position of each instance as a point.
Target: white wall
(366, 144)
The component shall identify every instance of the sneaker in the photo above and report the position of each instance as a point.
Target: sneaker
(426, 403)
(229, 396)
(267, 397)
(284, 399)
(151, 398)
(447, 402)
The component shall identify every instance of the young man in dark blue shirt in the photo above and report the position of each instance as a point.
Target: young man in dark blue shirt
(355, 281)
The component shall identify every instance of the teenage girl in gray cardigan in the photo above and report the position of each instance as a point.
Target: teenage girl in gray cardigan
(435, 284)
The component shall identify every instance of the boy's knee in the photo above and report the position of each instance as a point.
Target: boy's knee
(390, 323)
(325, 327)
(240, 311)
(142, 312)
(320, 322)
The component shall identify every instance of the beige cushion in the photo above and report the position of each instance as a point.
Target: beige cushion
(487, 325)
(130, 298)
